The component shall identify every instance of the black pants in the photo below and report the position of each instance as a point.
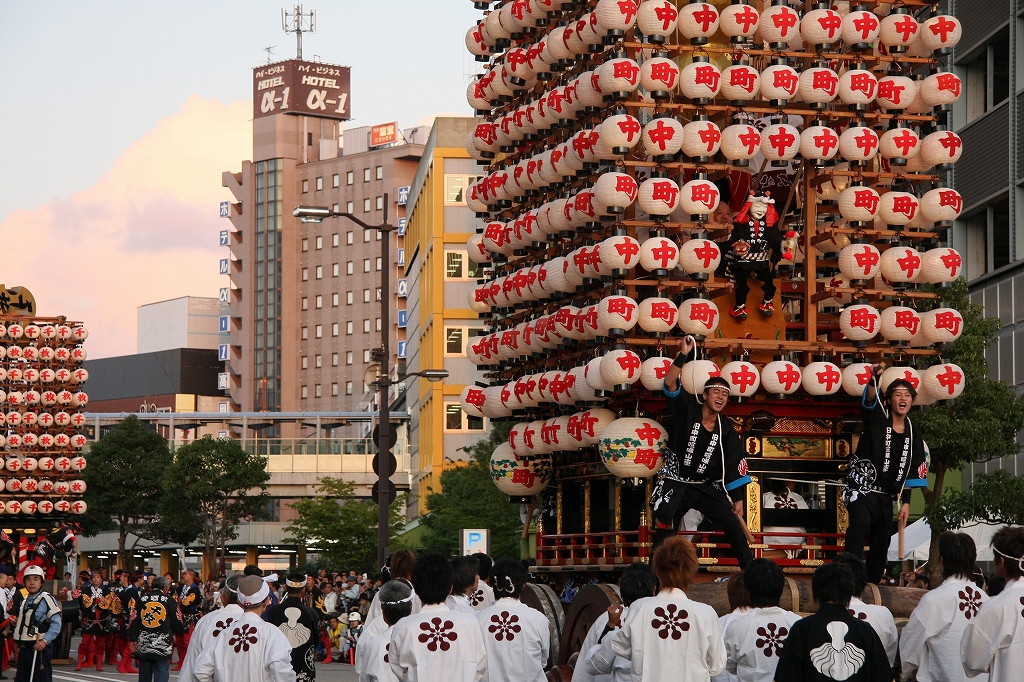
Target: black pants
(716, 507)
(870, 523)
(741, 274)
(44, 673)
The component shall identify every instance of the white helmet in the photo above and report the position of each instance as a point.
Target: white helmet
(35, 570)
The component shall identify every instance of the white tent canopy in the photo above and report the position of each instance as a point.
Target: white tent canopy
(918, 535)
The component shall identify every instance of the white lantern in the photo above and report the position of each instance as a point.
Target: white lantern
(859, 204)
(741, 82)
(941, 265)
(658, 197)
(658, 315)
(901, 264)
(942, 325)
(476, 250)
(780, 143)
(633, 447)
(941, 147)
(743, 378)
(698, 21)
(620, 368)
(821, 378)
(619, 253)
(698, 316)
(615, 192)
(898, 144)
(860, 322)
(657, 19)
(593, 423)
(700, 256)
(941, 89)
(858, 87)
(780, 377)
(653, 372)
(695, 374)
(616, 314)
(472, 400)
(618, 77)
(945, 381)
(662, 137)
(859, 144)
(860, 28)
(891, 374)
(476, 96)
(855, 377)
(699, 197)
(819, 85)
(898, 31)
(895, 92)
(941, 32)
(821, 27)
(615, 17)
(779, 82)
(739, 22)
(819, 143)
(942, 204)
(493, 406)
(659, 77)
(497, 238)
(900, 323)
(700, 80)
(587, 324)
(779, 25)
(701, 139)
(659, 254)
(13, 507)
(519, 477)
(620, 132)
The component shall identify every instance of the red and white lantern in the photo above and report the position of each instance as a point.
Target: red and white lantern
(695, 374)
(860, 28)
(941, 89)
(701, 139)
(822, 378)
(593, 423)
(700, 256)
(633, 447)
(653, 372)
(618, 77)
(899, 144)
(662, 137)
(858, 87)
(895, 92)
(700, 80)
(740, 143)
(740, 82)
(819, 143)
(779, 25)
(781, 377)
(945, 381)
(891, 374)
(942, 204)
(780, 143)
(900, 323)
(621, 252)
(616, 314)
(743, 378)
(942, 325)
(901, 264)
(518, 477)
(472, 400)
(620, 133)
(860, 322)
(858, 144)
(941, 32)
(657, 19)
(698, 21)
(856, 377)
(819, 85)
(659, 77)
(858, 203)
(821, 27)
(780, 82)
(614, 192)
(941, 147)
(659, 253)
(658, 197)
(941, 265)
(699, 197)
(658, 315)
(739, 22)
(898, 31)
(699, 316)
(615, 17)
(620, 368)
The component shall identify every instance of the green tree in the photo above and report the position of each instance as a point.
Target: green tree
(469, 499)
(341, 526)
(997, 497)
(124, 487)
(212, 486)
(981, 424)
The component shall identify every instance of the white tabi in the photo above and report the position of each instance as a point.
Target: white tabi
(723, 622)
(881, 621)
(753, 642)
(250, 650)
(437, 645)
(460, 604)
(930, 642)
(206, 632)
(517, 639)
(374, 652)
(586, 669)
(483, 598)
(993, 641)
(668, 637)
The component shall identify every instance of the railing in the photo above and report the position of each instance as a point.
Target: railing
(593, 549)
(308, 446)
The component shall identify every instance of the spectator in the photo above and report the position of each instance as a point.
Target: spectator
(516, 637)
(396, 604)
(465, 583)
(754, 641)
(336, 633)
(876, 615)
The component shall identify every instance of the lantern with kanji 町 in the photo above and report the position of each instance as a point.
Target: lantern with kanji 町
(614, 192)
(900, 324)
(616, 315)
(658, 197)
(699, 197)
(860, 322)
(740, 83)
(700, 80)
(942, 325)
(659, 77)
(658, 315)
(942, 205)
(633, 447)
(698, 316)
(519, 477)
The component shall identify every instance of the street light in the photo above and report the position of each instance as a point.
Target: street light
(317, 214)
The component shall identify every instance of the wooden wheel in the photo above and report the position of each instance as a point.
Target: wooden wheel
(590, 602)
(544, 599)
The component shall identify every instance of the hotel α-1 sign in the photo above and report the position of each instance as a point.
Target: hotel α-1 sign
(305, 88)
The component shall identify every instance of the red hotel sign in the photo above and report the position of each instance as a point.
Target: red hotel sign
(306, 88)
(385, 133)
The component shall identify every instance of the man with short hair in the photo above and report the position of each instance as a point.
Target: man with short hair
(876, 615)
(249, 649)
(38, 625)
(464, 585)
(395, 604)
(211, 626)
(300, 625)
(436, 644)
(190, 603)
(516, 637)
(151, 632)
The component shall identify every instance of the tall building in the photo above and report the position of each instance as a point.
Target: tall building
(440, 278)
(185, 322)
(989, 117)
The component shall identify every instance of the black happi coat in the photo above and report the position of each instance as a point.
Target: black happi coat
(300, 624)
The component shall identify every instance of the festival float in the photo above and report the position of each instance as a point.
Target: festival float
(627, 150)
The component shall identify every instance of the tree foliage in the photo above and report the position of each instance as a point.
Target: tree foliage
(996, 497)
(214, 485)
(469, 499)
(341, 526)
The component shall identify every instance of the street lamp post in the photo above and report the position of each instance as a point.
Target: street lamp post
(316, 214)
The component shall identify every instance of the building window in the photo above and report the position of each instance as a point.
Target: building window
(350, 178)
(334, 300)
(366, 326)
(319, 243)
(988, 238)
(335, 269)
(316, 391)
(305, 303)
(366, 236)
(457, 420)
(348, 388)
(319, 331)
(335, 241)
(380, 203)
(366, 355)
(378, 324)
(350, 207)
(319, 302)
(334, 359)
(378, 293)
(304, 362)
(319, 272)
(987, 77)
(305, 190)
(348, 327)
(348, 357)
(366, 265)
(334, 389)
(337, 180)
(366, 175)
(348, 298)
(454, 341)
(305, 245)
(337, 209)
(334, 329)
(380, 172)
(348, 268)
(305, 333)
(319, 184)
(305, 392)
(305, 274)
(378, 263)
(457, 266)
(454, 190)
(318, 361)
(366, 295)
(366, 205)
(348, 238)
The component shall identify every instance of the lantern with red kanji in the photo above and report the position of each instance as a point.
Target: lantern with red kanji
(579, 390)
(819, 85)
(740, 143)
(942, 205)
(781, 377)
(858, 144)
(657, 19)
(658, 315)
(740, 83)
(620, 132)
(941, 149)
(860, 29)
(620, 368)
(659, 77)
(860, 323)
(895, 93)
(739, 21)
(617, 78)
(780, 143)
(698, 21)
(908, 374)
(858, 203)
(942, 325)
(941, 265)
(653, 372)
(616, 315)
(518, 477)
(743, 378)
(700, 256)
(478, 299)
(658, 197)
(901, 264)
(700, 80)
(818, 143)
(898, 144)
(698, 316)
(856, 377)
(900, 324)
(941, 89)
(476, 250)
(779, 83)
(699, 197)
(821, 27)
(821, 378)
(620, 254)
(614, 192)
(615, 17)
(701, 139)
(857, 88)
(941, 32)
(779, 25)
(944, 381)
(592, 425)
(662, 137)
(658, 255)
(633, 447)
(898, 30)
(472, 401)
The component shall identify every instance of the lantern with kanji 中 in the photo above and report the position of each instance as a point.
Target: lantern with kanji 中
(620, 132)
(818, 143)
(698, 21)
(858, 144)
(701, 139)
(700, 256)
(944, 381)
(779, 25)
(780, 143)
(898, 30)
(942, 325)
(781, 377)
(941, 149)
(900, 324)
(743, 377)
(821, 378)
(898, 144)
(821, 27)
(901, 264)
(740, 142)
(860, 29)
(615, 17)
(620, 368)
(694, 374)
(653, 372)
(662, 138)
(739, 21)
(659, 255)
(859, 262)
(657, 19)
(941, 265)
(941, 33)
(658, 315)
(856, 377)
(860, 323)
(619, 253)
(633, 447)
(891, 374)
(698, 316)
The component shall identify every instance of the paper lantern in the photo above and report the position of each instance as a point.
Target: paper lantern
(941, 32)
(517, 438)
(942, 325)
(694, 375)
(821, 27)
(472, 400)
(658, 315)
(831, 283)
(780, 143)
(13, 507)
(658, 197)
(740, 143)
(559, 387)
(819, 142)
(898, 31)
(524, 392)
(941, 148)
(945, 381)
(860, 28)
(779, 25)
(941, 265)
(16, 331)
(620, 368)
(859, 204)
(908, 374)
(895, 92)
(587, 326)
(898, 208)
(554, 436)
(662, 137)
(588, 90)
(615, 192)
(698, 21)
(743, 378)
(633, 447)
(619, 253)
(476, 97)
(620, 132)
(653, 372)
(900, 323)
(700, 80)
(659, 254)
(940, 89)
(780, 377)
(657, 19)
(659, 77)
(700, 256)
(615, 17)
(616, 314)
(942, 204)
(579, 390)
(858, 87)
(858, 144)
(593, 423)
(740, 82)
(780, 82)
(819, 85)
(618, 77)
(698, 316)
(739, 22)
(855, 377)
(699, 197)
(860, 322)
(898, 144)
(821, 378)
(701, 139)
(519, 477)
(901, 264)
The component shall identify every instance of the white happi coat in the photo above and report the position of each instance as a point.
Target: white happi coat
(249, 650)
(483, 598)
(669, 637)
(930, 643)
(374, 652)
(881, 621)
(586, 669)
(754, 640)
(206, 632)
(723, 622)
(460, 604)
(517, 640)
(437, 645)
(993, 641)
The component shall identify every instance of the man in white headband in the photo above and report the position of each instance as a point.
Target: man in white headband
(211, 626)
(993, 642)
(248, 649)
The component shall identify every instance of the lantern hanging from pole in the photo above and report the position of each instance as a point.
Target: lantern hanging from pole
(658, 197)
(897, 209)
(633, 447)
(858, 204)
(780, 144)
(494, 407)
(614, 192)
(700, 80)
(620, 254)
(834, 183)
(898, 31)
(698, 21)
(657, 19)
(941, 149)
(658, 315)
(901, 264)
(781, 377)
(832, 283)
(941, 89)
(891, 374)
(700, 256)
(478, 300)
(743, 378)
(701, 139)
(659, 255)
(860, 29)
(942, 325)
(616, 315)
(821, 27)
(617, 78)
(818, 143)
(899, 144)
(859, 323)
(942, 204)
(779, 25)
(476, 251)
(615, 17)
(740, 82)
(857, 88)
(698, 316)
(593, 423)
(579, 390)
(821, 378)
(662, 137)
(739, 21)
(900, 323)
(895, 92)
(944, 381)
(740, 143)
(858, 144)
(699, 197)
(552, 433)
(620, 132)
(653, 372)
(659, 77)
(694, 375)
(941, 265)
(620, 368)
(779, 82)
(518, 477)
(941, 33)
(819, 85)
(856, 377)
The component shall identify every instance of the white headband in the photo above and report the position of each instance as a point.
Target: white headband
(272, 578)
(254, 599)
(1019, 560)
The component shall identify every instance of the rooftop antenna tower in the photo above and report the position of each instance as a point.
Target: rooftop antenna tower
(298, 23)
(269, 49)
